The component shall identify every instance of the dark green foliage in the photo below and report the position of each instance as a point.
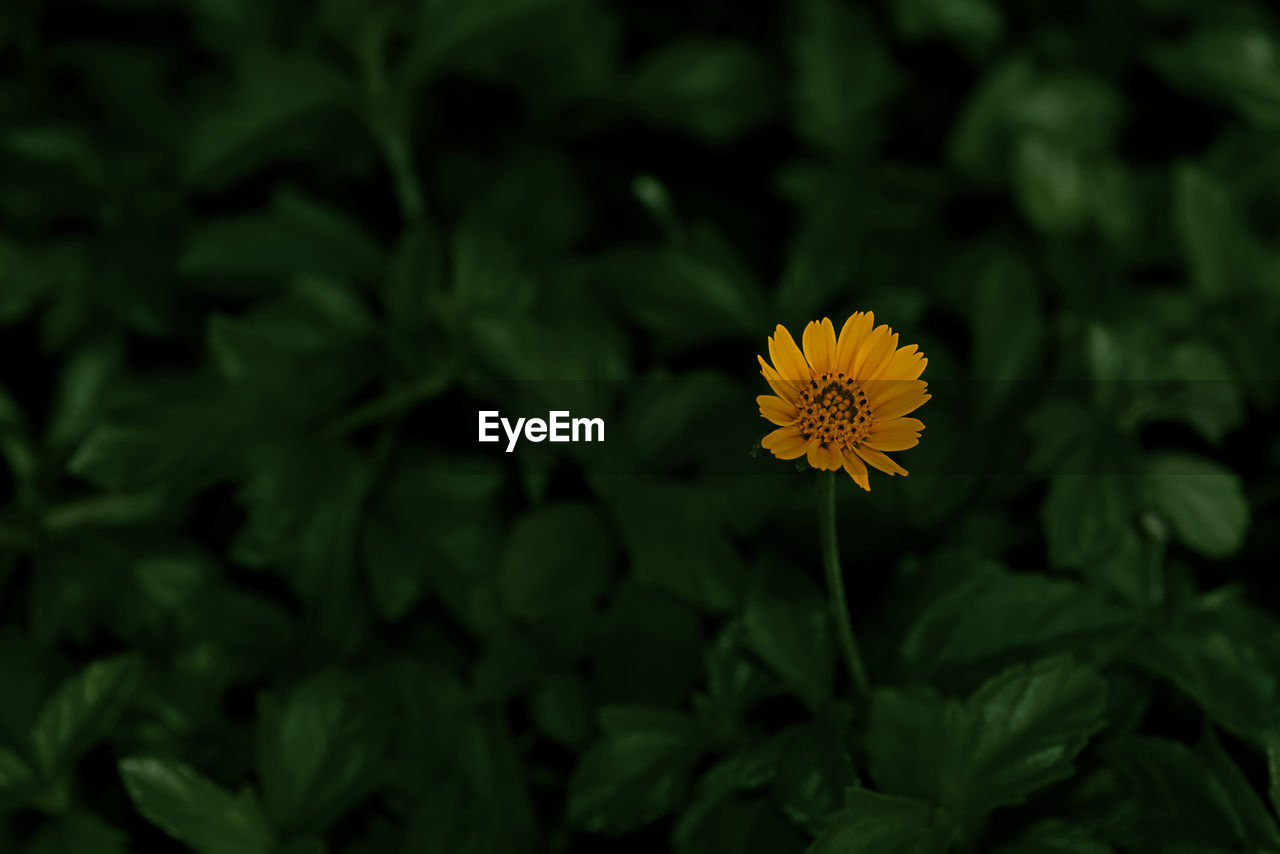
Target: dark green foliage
(637, 771)
(262, 262)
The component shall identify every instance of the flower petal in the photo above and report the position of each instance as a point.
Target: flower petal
(820, 345)
(906, 364)
(852, 335)
(882, 393)
(791, 452)
(829, 333)
(778, 410)
(780, 435)
(823, 458)
(787, 358)
(892, 425)
(786, 390)
(857, 470)
(875, 352)
(879, 460)
(899, 405)
(786, 443)
(894, 441)
(896, 434)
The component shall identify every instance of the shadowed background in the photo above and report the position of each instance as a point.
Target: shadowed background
(261, 262)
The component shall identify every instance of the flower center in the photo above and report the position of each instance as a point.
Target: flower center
(834, 408)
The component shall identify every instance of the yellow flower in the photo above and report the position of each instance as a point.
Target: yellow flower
(842, 401)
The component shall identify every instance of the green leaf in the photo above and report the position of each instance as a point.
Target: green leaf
(872, 823)
(1134, 570)
(253, 633)
(1109, 357)
(1007, 320)
(444, 30)
(405, 551)
(674, 542)
(64, 150)
(1227, 60)
(82, 390)
(303, 503)
(636, 772)
(415, 282)
(717, 89)
(738, 825)
(1223, 654)
(170, 580)
(1199, 389)
(979, 142)
(814, 768)
(995, 617)
(787, 625)
(1022, 729)
(1085, 516)
(673, 422)
(947, 474)
(1052, 183)
(83, 709)
(195, 810)
(21, 282)
(398, 571)
(178, 438)
(488, 274)
(1060, 429)
(297, 235)
(750, 767)
(269, 112)
(566, 53)
(79, 831)
(558, 561)
(1258, 824)
(16, 777)
(296, 357)
(975, 25)
(736, 681)
(1177, 801)
(28, 683)
(562, 709)
(457, 762)
(1271, 747)
(1016, 733)
(909, 737)
(686, 298)
(1202, 501)
(1056, 837)
(1071, 113)
(1220, 251)
(319, 753)
(843, 76)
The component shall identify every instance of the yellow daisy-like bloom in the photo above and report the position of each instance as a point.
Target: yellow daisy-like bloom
(843, 401)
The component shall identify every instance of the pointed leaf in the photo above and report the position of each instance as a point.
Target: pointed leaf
(1202, 501)
(193, 809)
(318, 753)
(636, 772)
(83, 709)
(1022, 729)
(872, 823)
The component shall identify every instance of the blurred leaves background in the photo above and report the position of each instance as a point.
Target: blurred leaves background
(260, 262)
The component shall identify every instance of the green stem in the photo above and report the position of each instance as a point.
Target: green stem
(835, 585)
